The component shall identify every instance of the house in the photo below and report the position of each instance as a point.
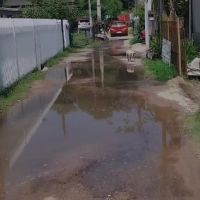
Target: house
(12, 8)
(16, 3)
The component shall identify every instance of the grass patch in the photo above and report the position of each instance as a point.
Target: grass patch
(58, 57)
(18, 91)
(135, 40)
(79, 40)
(160, 70)
(192, 126)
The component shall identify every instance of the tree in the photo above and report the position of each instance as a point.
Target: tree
(1, 3)
(179, 6)
(53, 9)
(109, 7)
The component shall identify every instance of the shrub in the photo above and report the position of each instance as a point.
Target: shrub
(155, 46)
(192, 50)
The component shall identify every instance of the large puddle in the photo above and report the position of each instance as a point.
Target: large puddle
(100, 140)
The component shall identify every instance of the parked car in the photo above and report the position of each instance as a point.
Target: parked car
(118, 28)
(84, 24)
(108, 23)
(125, 18)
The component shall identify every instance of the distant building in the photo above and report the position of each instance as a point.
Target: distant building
(16, 3)
(12, 8)
(195, 20)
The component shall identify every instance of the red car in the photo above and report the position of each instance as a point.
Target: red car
(118, 28)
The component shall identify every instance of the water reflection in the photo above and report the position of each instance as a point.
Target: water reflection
(101, 59)
(127, 142)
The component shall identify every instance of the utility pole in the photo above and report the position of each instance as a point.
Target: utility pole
(90, 16)
(147, 38)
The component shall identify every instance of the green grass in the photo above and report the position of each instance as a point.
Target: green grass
(135, 40)
(160, 70)
(18, 91)
(58, 57)
(79, 41)
(192, 126)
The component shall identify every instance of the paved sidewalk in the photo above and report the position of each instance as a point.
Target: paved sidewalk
(19, 124)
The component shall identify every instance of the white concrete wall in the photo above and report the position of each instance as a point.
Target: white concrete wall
(25, 44)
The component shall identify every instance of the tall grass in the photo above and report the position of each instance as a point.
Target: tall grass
(160, 70)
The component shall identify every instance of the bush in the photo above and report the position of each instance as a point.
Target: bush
(135, 40)
(138, 25)
(192, 50)
(155, 46)
(160, 70)
(138, 11)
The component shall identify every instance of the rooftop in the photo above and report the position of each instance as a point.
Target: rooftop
(17, 3)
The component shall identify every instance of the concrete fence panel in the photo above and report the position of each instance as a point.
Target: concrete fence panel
(8, 57)
(25, 44)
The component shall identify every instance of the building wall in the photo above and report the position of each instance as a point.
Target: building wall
(196, 19)
(26, 44)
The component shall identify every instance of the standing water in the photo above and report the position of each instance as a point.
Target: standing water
(100, 140)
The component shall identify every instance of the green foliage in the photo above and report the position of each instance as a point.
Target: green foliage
(192, 50)
(181, 7)
(155, 46)
(135, 40)
(160, 70)
(111, 7)
(80, 40)
(59, 9)
(138, 26)
(139, 11)
(108, 7)
(50, 9)
(18, 91)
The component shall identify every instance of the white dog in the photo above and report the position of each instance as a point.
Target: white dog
(130, 54)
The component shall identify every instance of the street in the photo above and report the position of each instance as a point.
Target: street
(105, 137)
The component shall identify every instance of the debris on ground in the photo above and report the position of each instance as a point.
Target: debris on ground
(193, 68)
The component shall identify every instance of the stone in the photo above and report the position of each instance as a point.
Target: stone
(193, 68)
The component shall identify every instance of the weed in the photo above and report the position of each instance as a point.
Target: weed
(58, 57)
(192, 126)
(160, 70)
(192, 50)
(18, 91)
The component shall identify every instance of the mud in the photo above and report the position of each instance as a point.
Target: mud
(108, 136)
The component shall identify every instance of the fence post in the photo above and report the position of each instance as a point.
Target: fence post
(35, 44)
(15, 47)
(168, 29)
(179, 47)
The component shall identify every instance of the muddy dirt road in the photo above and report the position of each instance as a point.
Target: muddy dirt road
(105, 139)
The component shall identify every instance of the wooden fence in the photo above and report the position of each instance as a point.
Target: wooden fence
(173, 30)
